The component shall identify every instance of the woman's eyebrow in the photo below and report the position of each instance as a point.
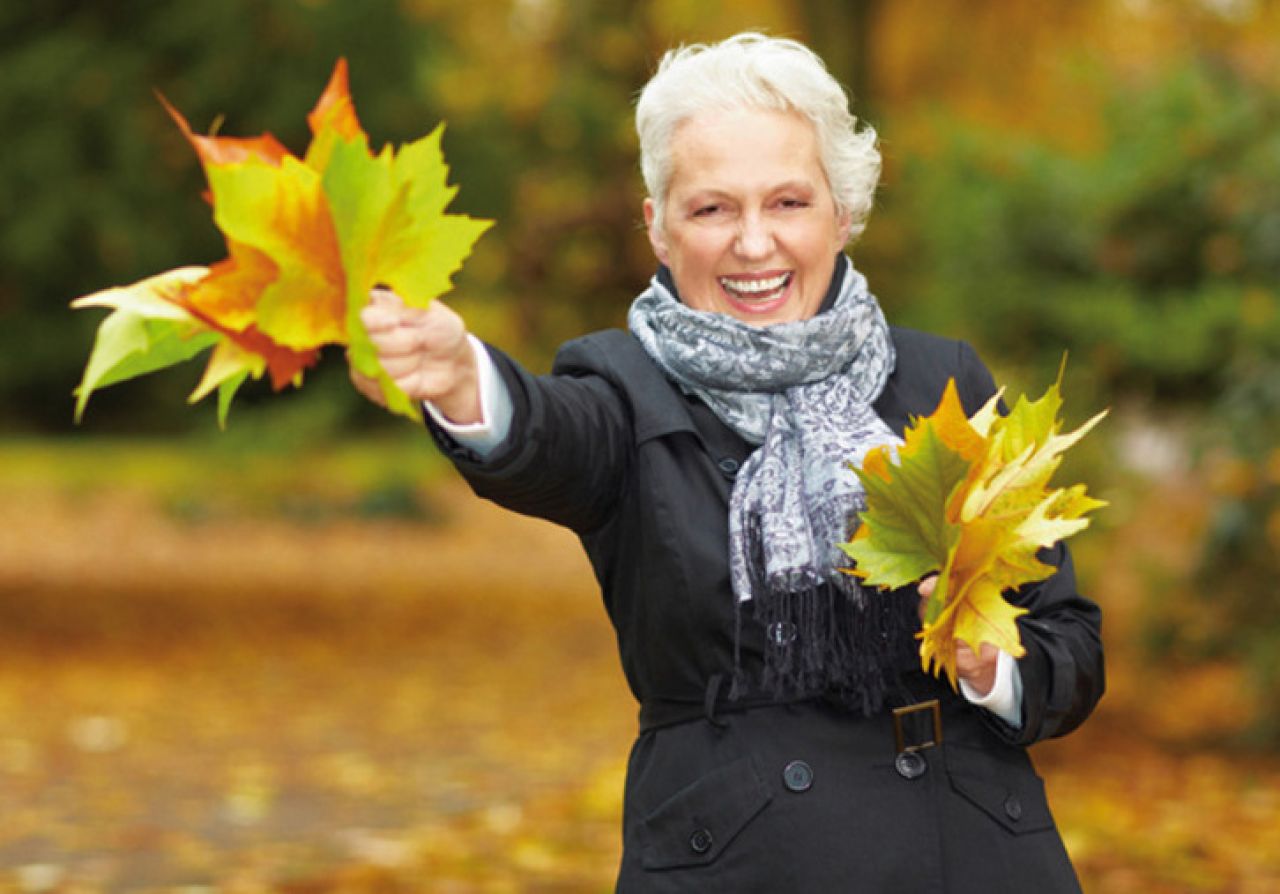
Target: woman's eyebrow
(798, 185)
(703, 193)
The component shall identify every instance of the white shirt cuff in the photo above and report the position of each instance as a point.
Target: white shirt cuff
(1005, 698)
(495, 408)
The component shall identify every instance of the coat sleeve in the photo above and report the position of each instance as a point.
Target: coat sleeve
(567, 453)
(1062, 671)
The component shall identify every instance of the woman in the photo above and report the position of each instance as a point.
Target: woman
(701, 459)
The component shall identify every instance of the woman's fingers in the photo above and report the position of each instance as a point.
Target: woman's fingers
(384, 295)
(403, 339)
(400, 331)
(978, 670)
(425, 351)
(400, 366)
(926, 588)
(382, 312)
(365, 385)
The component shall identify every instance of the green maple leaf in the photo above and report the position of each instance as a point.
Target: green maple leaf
(144, 332)
(389, 211)
(906, 533)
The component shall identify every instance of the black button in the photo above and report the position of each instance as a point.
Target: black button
(729, 466)
(1013, 808)
(910, 765)
(797, 776)
(700, 841)
(782, 633)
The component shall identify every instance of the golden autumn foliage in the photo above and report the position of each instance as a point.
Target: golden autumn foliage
(971, 501)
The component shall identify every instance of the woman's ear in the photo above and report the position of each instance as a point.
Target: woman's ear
(844, 226)
(654, 228)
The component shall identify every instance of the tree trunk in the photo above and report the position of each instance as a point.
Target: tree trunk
(842, 33)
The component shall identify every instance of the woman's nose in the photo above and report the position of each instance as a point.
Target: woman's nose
(754, 241)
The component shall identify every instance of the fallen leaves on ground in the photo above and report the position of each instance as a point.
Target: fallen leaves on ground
(260, 705)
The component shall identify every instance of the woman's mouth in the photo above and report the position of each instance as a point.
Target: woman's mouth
(757, 294)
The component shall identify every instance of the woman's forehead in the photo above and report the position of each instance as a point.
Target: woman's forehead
(744, 149)
(732, 123)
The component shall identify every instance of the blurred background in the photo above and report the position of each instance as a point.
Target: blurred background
(296, 656)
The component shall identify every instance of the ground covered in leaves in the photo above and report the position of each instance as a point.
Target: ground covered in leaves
(320, 674)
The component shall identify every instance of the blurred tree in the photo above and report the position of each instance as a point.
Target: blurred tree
(537, 94)
(1153, 259)
(1233, 590)
(844, 35)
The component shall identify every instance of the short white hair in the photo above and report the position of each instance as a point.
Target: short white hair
(754, 71)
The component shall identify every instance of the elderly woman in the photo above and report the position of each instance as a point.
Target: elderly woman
(788, 740)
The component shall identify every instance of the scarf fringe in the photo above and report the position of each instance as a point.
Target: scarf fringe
(847, 646)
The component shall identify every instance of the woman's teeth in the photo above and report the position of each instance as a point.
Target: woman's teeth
(755, 288)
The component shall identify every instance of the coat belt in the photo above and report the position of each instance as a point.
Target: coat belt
(655, 713)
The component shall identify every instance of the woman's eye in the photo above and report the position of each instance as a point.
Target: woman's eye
(793, 203)
(706, 210)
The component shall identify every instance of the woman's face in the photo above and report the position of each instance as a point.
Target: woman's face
(750, 228)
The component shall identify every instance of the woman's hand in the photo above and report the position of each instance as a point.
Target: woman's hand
(978, 671)
(425, 351)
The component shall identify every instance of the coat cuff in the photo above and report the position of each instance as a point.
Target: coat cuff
(496, 411)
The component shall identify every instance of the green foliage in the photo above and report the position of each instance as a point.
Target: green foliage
(1234, 584)
(1153, 258)
(389, 212)
(906, 533)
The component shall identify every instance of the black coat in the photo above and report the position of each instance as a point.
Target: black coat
(802, 796)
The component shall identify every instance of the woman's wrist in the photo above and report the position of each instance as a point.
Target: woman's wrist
(461, 403)
(496, 411)
(1004, 698)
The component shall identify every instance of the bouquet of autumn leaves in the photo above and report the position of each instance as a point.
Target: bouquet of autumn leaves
(969, 500)
(307, 238)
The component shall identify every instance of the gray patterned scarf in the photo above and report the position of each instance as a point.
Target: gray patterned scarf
(802, 391)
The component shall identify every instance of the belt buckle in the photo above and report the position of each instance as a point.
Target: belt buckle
(899, 737)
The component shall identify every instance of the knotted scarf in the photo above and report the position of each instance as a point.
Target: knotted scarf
(803, 392)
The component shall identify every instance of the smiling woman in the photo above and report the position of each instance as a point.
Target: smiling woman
(750, 227)
(788, 739)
